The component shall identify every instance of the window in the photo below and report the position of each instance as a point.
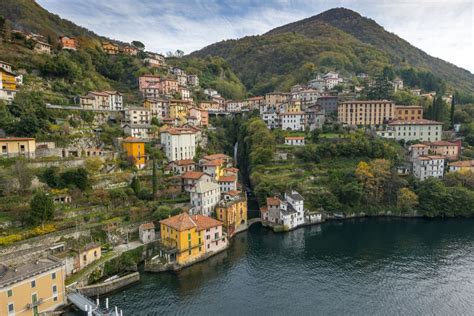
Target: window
(11, 308)
(53, 276)
(55, 289)
(33, 284)
(10, 293)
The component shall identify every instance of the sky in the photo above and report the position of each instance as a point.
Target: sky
(442, 28)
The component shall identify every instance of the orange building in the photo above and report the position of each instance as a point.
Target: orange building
(110, 48)
(366, 113)
(68, 42)
(408, 112)
(135, 148)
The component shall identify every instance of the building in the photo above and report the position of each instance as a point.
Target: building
(110, 48)
(159, 108)
(254, 103)
(306, 97)
(191, 178)
(169, 86)
(422, 130)
(397, 84)
(18, 147)
(8, 83)
(214, 168)
(428, 167)
(87, 255)
(42, 47)
(227, 183)
(366, 113)
(188, 238)
(273, 99)
(130, 50)
(288, 212)
(227, 159)
(294, 140)
(154, 60)
(204, 197)
(67, 42)
(136, 115)
(115, 100)
(449, 150)
(182, 166)
(202, 116)
(210, 106)
(328, 104)
(32, 287)
(232, 212)
(178, 110)
(271, 119)
(193, 80)
(461, 166)
(184, 93)
(179, 143)
(146, 232)
(135, 150)
(408, 112)
(293, 121)
(142, 131)
(149, 86)
(417, 150)
(96, 100)
(316, 116)
(234, 106)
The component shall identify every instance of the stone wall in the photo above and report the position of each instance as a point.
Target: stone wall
(107, 287)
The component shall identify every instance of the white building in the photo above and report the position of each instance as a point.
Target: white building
(294, 140)
(234, 106)
(210, 92)
(159, 108)
(146, 232)
(227, 183)
(136, 116)
(288, 213)
(428, 167)
(307, 97)
(316, 116)
(179, 143)
(293, 121)
(204, 198)
(115, 100)
(271, 119)
(422, 130)
(193, 80)
(142, 131)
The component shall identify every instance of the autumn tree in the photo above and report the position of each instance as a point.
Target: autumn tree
(93, 165)
(407, 200)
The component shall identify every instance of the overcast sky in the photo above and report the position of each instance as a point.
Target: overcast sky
(442, 28)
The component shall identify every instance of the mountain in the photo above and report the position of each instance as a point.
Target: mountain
(27, 15)
(338, 39)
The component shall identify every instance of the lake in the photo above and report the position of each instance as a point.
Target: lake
(358, 267)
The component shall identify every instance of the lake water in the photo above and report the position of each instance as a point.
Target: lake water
(359, 267)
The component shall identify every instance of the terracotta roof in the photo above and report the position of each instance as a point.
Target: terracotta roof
(295, 138)
(264, 209)
(103, 94)
(132, 139)
(179, 131)
(213, 163)
(431, 157)
(233, 192)
(408, 107)
(463, 163)
(233, 170)
(216, 156)
(183, 162)
(414, 122)
(273, 201)
(7, 139)
(148, 226)
(227, 179)
(418, 145)
(184, 221)
(193, 175)
(441, 143)
(366, 102)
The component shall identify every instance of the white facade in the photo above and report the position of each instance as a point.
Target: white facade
(428, 167)
(115, 100)
(294, 121)
(271, 119)
(294, 141)
(204, 197)
(141, 131)
(234, 106)
(136, 116)
(179, 143)
(289, 212)
(193, 80)
(423, 130)
(227, 183)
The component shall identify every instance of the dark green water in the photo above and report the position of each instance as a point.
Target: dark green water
(360, 267)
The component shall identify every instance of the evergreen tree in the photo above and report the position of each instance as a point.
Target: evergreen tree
(452, 109)
(154, 181)
(135, 185)
(381, 89)
(42, 208)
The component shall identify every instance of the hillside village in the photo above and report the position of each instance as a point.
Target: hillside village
(149, 174)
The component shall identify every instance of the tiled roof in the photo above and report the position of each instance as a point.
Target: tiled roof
(414, 122)
(216, 156)
(148, 226)
(441, 143)
(418, 146)
(463, 163)
(227, 179)
(184, 162)
(233, 192)
(184, 221)
(193, 175)
(294, 138)
(213, 163)
(273, 201)
(430, 157)
(233, 170)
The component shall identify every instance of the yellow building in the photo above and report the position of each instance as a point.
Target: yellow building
(7, 77)
(31, 288)
(185, 237)
(135, 148)
(232, 212)
(110, 48)
(17, 147)
(408, 112)
(294, 106)
(178, 110)
(462, 166)
(366, 113)
(86, 255)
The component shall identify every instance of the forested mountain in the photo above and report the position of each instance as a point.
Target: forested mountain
(338, 39)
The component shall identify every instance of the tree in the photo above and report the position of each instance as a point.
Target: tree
(50, 176)
(42, 209)
(154, 180)
(23, 174)
(77, 177)
(452, 110)
(380, 90)
(135, 185)
(138, 45)
(407, 200)
(93, 165)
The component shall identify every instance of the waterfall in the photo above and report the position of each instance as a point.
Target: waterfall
(236, 147)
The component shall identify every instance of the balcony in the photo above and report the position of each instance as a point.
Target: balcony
(34, 304)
